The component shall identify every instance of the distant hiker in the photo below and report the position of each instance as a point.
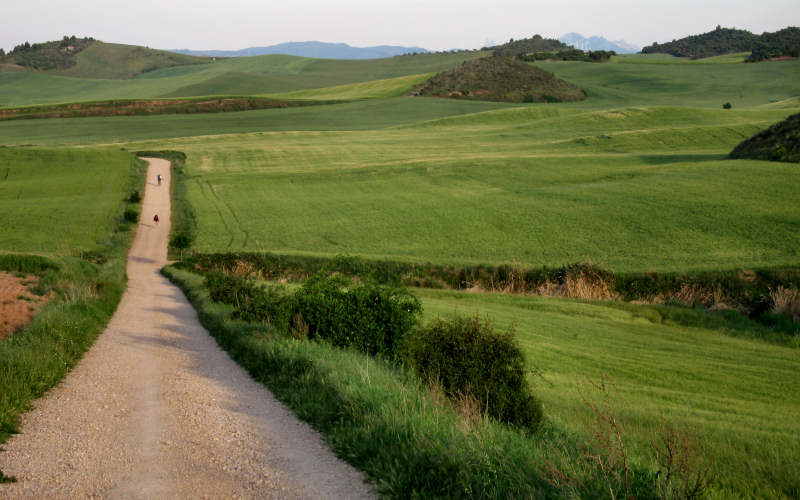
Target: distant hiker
(155, 218)
(159, 179)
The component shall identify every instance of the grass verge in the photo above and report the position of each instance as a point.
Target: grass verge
(739, 302)
(382, 420)
(87, 290)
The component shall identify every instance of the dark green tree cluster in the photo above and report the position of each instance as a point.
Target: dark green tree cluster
(527, 46)
(47, 55)
(783, 43)
(714, 43)
(569, 54)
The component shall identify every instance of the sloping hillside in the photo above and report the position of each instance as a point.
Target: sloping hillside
(780, 142)
(500, 79)
(90, 58)
(714, 43)
(47, 56)
(783, 43)
(528, 45)
(117, 61)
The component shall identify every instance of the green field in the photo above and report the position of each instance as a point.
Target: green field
(739, 395)
(536, 186)
(700, 85)
(236, 76)
(60, 202)
(738, 57)
(360, 115)
(633, 179)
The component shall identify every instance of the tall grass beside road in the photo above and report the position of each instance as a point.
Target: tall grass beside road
(86, 276)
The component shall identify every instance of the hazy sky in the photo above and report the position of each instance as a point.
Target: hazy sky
(435, 25)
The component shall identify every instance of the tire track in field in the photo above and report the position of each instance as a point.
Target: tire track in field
(211, 199)
(233, 215)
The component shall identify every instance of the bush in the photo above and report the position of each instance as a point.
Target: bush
(131, 215)
(181, 241)
(727, 105)
(230, 289)
(135, 197)
(468, 358)
(370, 317)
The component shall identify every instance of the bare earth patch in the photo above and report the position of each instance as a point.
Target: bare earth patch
(17, 303)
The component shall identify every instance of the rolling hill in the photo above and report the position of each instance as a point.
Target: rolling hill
(783, 43)
(780, 142)
(241, 76)
(500, 79)
(528, 45)
(90, 58)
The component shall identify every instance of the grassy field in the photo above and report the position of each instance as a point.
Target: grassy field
(119, 61)
(236, 76)
(700, 85)
(631, 83)
(738, 57)
(360, 115)
(536, 186)
(60, 202)
(635, 178)
(375, 89)
(740, 395)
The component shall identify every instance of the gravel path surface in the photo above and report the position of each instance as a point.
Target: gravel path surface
(156, 410)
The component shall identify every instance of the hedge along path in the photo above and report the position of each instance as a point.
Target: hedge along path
(156, 410)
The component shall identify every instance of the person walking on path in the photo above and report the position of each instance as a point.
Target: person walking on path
(159, 179)
(155, 219)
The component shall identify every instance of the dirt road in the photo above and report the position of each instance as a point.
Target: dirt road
(156, 410)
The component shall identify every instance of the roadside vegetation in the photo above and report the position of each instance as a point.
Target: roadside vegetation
(745, 303)
(183, 228)
(350, 391)
(85, 276)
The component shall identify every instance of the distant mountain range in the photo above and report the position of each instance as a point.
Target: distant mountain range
(598, 43)
(320, 50)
